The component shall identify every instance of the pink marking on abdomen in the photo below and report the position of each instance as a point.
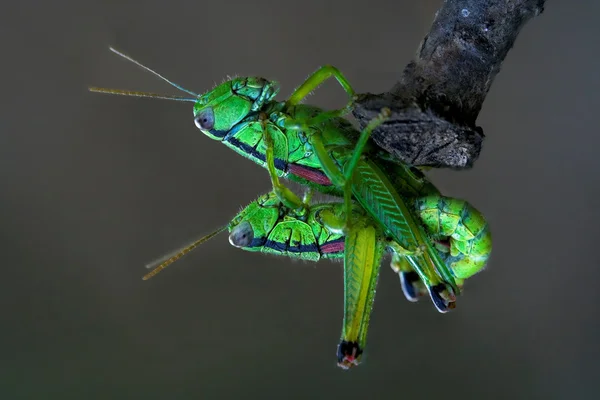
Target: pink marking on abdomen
(333, 247)
(310, 174)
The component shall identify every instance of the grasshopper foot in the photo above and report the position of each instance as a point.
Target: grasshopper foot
(443, 297)
(412, 286)
(348, 354)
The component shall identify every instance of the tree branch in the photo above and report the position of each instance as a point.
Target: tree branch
(437, 101)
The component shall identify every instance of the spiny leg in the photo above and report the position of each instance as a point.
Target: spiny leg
(314, 81)
(363, 251)
(285, 195)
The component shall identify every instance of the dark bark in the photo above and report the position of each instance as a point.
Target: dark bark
(437, 101)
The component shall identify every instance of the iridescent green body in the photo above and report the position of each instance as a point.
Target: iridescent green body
(267, 225)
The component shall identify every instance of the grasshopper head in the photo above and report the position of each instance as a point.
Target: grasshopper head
(250, 229)
(218, 111)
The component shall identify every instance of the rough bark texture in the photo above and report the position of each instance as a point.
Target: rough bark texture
(436, 103)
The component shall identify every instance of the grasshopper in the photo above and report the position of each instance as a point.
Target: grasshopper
(317, 232)
(318, 149)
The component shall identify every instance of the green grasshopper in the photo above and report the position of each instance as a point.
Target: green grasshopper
(320, 150)
(317, 232)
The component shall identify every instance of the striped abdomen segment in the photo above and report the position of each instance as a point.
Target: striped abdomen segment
(296, 239)
(462, 228)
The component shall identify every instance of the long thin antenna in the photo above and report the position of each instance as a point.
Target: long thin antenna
(152, 72)
(139, 94)
(166, 260)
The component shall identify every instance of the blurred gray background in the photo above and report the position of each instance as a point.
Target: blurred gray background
(95, 186)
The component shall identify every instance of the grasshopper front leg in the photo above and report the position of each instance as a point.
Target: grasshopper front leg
(314, 81)
(285, 195)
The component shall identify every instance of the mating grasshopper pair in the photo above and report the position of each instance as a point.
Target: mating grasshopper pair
(318, 232)
(323, 151)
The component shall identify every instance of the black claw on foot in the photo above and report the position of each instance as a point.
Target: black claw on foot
(348, 354)
(408, 281)
(443, 297)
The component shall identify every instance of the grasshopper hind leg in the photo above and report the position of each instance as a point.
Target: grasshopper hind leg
(348, 354)
(362, 258)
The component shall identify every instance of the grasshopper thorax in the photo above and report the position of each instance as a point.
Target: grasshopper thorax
(218, 111)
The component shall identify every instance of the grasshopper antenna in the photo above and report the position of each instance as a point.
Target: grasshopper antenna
(168, 259)
(139, 64)
(143, 94)
(139, 94)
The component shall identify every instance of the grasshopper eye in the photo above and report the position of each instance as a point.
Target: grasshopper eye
(242, 235)
(205, 120)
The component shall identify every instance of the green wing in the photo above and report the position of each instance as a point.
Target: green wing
(377, 195)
